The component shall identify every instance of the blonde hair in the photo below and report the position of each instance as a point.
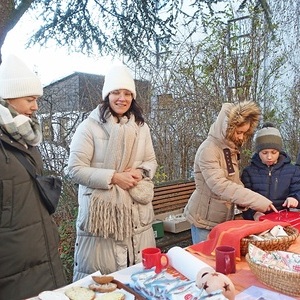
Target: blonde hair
(246, 112)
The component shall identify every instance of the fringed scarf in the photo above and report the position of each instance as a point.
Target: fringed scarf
(21, 128)
(110, 210)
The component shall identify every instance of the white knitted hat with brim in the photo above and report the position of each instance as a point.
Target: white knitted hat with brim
(268, 137)
(17, 80)
(118, 77)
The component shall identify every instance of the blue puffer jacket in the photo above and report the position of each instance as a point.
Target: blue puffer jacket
(275, 182)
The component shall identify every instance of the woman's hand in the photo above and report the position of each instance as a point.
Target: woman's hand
(257, 215)
(272, 207)
(125, 180)
(135, 173)
(290, 202)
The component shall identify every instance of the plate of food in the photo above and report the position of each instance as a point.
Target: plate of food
(102, 287)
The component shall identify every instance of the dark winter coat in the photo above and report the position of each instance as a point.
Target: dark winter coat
(275, 182)
(29, 258)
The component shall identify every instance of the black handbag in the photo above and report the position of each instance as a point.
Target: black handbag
(50, 190)
(49, 186)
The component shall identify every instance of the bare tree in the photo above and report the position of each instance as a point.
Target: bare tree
(10, 14)
(123, 28)
(193, 80)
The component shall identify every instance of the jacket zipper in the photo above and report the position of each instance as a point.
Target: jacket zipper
(270, 180)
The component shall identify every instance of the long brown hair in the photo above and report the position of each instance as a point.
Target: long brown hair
(134, 109)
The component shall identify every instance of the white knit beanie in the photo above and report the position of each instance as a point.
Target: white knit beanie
(118, 77)
(17, 80)
(268, 137)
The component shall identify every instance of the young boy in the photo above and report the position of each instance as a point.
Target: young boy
(271, 172)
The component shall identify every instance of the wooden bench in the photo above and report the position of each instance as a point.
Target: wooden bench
(172, 196)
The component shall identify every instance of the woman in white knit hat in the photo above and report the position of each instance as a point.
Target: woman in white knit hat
(113, 161)
(29, 258)
(271, 172)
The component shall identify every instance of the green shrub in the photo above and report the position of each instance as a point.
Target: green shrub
(65, 218)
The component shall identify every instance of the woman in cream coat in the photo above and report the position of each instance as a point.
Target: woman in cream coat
(216, 168)
(112, 159)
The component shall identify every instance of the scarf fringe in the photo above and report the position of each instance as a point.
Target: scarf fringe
(109, 220)
(110, 211)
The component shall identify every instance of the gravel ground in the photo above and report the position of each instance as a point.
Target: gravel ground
(169, 240)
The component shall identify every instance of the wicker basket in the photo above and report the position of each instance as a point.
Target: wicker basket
(282, 243)
(281, 281)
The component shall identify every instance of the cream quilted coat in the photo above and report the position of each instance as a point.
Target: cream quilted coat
(87, 152)
(217, 191)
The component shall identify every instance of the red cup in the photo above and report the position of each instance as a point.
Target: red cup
(152, 257)
(225, 260)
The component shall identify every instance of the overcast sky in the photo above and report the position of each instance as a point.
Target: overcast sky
(51, 64)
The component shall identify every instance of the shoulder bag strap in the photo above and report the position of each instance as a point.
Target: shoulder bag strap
(23, 160)
(26, 164)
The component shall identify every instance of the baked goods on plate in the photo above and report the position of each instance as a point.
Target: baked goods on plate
(103, 284)
(103, 279)
(52, 295)
(80, 293)
(95, 288)
(103, 288)
(112, 296)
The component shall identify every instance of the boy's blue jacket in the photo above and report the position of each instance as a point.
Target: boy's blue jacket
(275, 182)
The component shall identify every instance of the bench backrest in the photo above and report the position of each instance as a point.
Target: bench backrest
(172, 196)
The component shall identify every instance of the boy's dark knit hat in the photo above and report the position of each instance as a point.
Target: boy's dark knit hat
(268, 137)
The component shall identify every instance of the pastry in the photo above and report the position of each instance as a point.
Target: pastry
(80, 293)
(103, 288)
(103, 279)
(113, 296)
